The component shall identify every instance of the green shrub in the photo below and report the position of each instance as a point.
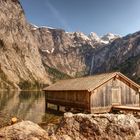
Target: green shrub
(56, 74)
(28, 85)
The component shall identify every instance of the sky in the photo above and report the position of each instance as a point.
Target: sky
(101, 16)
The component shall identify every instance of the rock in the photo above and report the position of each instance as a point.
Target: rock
(104, 126)
(64, 137)
(21, 66)
(77, 127)
(25, 130)
(14, 120)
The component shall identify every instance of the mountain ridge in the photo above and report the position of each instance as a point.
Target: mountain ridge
(107, 38)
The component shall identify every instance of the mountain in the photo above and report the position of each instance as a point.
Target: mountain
(69, 52)
(20, 60)
(78, 55)
(109, 37)
(122, 54)
(32, 57)
(106, 39)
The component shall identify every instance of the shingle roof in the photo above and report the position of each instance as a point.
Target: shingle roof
(85, 83)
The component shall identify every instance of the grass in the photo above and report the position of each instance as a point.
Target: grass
(33, 85)
(80, 74)
(56, 74)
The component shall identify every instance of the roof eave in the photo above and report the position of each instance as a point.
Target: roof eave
(91, 89)
(129, 80)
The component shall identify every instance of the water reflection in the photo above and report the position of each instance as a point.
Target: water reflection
(26, 105)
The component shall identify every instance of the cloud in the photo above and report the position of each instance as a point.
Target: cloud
(57, 15)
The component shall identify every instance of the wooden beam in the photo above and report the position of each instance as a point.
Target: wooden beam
(126, 108)
(83, 105)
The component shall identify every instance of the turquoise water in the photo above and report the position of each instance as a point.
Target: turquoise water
(25, 105)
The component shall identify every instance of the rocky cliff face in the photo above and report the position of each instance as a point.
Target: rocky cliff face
(67, 52)
(20, 61)
(71, 53)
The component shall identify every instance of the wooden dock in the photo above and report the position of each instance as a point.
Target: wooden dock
(125, 108)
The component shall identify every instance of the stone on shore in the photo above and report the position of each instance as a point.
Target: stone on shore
(102, 126)
(24, 130)
(78, 127)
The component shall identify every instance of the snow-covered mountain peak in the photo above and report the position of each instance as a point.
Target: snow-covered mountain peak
(94, 37)
(81, 35)
(109, 37)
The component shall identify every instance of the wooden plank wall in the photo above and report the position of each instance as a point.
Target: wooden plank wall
(102, 96)
(69, 98)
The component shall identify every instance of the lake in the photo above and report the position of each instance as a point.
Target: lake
(25, 105)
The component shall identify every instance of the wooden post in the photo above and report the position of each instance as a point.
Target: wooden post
(46, 103)
(139, 95)
(46, 106)
(139, 99)
(58, 107)
(90, 102)
(104, 98)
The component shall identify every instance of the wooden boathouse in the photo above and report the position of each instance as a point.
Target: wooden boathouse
(95, 94)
